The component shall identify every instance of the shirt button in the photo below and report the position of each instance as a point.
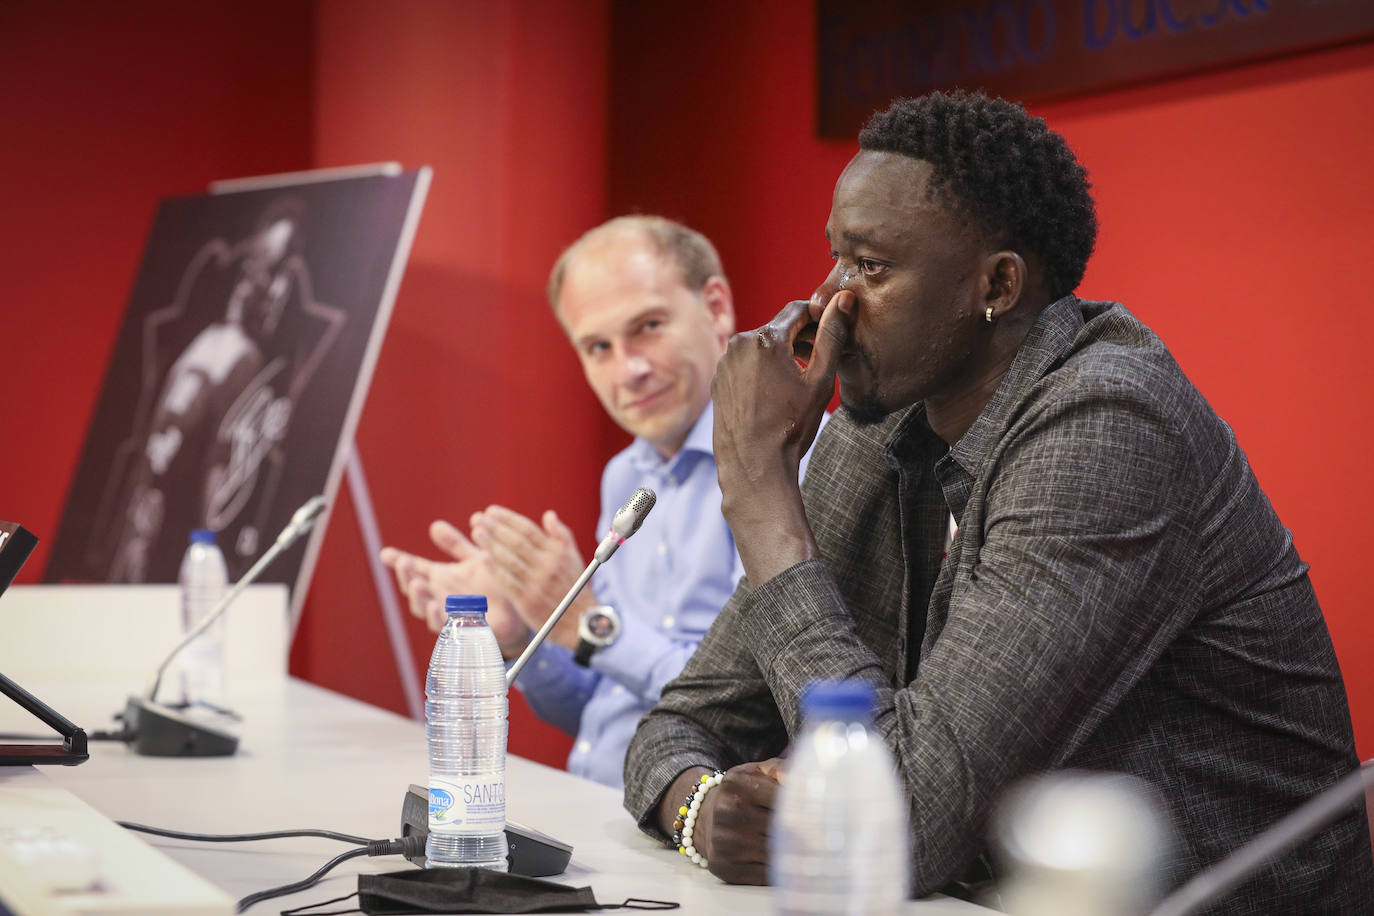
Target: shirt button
(668, 623)
(541, 664)
(662, 548)
(584, 747)
(672, 479)
(617, 690)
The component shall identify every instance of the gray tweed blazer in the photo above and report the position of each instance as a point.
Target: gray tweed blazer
(1120, 596)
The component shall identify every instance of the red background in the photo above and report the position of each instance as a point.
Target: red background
(1234, 209)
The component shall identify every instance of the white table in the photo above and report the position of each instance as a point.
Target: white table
(313, 758)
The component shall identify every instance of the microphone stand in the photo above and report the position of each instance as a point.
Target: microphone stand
(220, 607)
(158, 731)
(531, 852)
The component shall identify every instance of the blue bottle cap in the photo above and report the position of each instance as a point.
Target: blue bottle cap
(838, 700)
(465, 604)
(202, 536)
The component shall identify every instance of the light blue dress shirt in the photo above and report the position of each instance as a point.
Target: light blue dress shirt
(667, 583)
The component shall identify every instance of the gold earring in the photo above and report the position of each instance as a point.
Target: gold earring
(988, 314)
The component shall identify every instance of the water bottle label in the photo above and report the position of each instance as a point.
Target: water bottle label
(474, 806)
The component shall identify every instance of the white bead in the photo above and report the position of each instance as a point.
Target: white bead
(687, 833)
(696, 857)
(696, 803)
(704, 864)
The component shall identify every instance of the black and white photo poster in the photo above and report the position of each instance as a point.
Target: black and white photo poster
(238, 374)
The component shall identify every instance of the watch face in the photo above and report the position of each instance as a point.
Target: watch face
(599, 626)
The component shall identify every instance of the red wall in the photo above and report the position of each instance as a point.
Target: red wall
(1232, 208)
(477, 398)
(1235, 221)
(105, 110)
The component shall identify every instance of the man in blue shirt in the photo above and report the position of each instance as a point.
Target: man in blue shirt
(646, 305)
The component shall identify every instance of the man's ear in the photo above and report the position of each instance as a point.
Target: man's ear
(1004, 274)
(720, 304)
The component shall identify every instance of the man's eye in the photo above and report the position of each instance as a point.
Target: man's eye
(871, 268)
(598, 348)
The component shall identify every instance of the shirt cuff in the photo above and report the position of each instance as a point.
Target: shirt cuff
(665, 772)
(631, 659)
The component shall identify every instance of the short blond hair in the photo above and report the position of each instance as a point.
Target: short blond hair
(691, 251)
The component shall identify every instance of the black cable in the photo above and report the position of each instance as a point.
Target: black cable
(283, 890)
(246, 837)
(408, 846)
(411, 845)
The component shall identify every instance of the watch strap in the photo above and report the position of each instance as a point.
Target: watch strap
(583, 655)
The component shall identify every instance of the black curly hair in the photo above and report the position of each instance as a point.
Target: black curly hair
(1001, 167)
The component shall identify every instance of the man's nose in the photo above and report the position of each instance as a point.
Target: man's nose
(633, 368)
(832, 284)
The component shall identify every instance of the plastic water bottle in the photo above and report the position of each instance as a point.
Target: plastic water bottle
(203, 580)
(838, 842)
(465, 710)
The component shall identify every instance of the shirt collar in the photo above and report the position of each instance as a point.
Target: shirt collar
(645, 458)
(1047, 341)
(912, 442)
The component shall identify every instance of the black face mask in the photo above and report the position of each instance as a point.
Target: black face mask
(468, 890)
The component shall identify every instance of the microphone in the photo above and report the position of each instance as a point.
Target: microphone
(158, 731)
(625, 523)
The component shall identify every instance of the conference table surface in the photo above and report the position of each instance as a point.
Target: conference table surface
(312, 758)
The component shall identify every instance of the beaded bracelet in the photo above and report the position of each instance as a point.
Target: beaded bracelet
(686, 820)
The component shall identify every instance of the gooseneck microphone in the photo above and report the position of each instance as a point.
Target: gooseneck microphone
(156, 730)
(301, 522)
(625, 523)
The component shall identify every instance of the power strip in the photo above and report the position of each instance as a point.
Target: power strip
(60, 856)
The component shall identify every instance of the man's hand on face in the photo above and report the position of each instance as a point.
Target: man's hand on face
(767, 411)
(535, 566)
(731, 829)
(426, 583)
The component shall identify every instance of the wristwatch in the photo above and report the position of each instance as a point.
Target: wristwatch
(597, 628)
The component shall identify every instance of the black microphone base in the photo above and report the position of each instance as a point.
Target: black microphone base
(156, 731)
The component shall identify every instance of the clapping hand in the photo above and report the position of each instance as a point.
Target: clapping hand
(534, 565)
(426, 583)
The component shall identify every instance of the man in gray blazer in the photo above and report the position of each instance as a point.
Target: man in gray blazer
(1120, 594)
